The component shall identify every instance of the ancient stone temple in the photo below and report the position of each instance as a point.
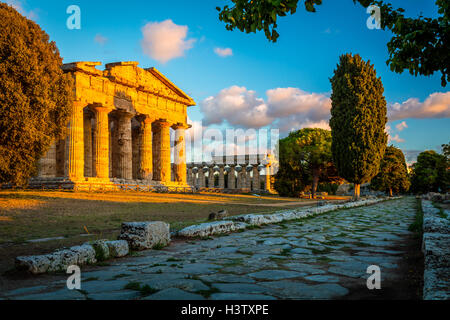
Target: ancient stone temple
(119, 131)
(238, 173)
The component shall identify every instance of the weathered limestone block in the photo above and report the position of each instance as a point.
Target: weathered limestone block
(145, 235)
(436, 224)
(118, 248)
(207, 229)
(33, 264)
(435, 286)
(58, 260)
(101, 249)
(436, 250)
(257, 220)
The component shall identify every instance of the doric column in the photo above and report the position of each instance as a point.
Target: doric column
(201, 178)
(195, 170)
(231, 178)
(211, 177)
(221, 177)
(240, 174)
(256, 183)
(124, 141)
(146, 149)
(101, 142)
(248, 180)
(268, 186)
(87, 128)
(74, 168)
(162, 166)
(180, 152)
(189, 176)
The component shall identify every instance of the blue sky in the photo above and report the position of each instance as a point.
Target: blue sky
(303, 60)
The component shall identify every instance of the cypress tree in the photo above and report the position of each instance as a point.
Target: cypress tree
(358, 120)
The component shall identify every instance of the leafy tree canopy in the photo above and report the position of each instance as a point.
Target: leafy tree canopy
(35, 95)
(420, 45)
(305, 157)
(430, 173)
(393, 175)
(358, 120)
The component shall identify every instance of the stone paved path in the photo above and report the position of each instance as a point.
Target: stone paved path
(324, 257)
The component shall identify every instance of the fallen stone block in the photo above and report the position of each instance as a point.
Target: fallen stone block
(118, 248)
(210, 228)
(33, 264)
(58, 260)
(101, 249)
(145, 235)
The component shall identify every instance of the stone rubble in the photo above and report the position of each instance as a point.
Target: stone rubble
(58, 260)
(145, 235)
(436, 249)
(118, 248)
(248, 220)
(210, 228)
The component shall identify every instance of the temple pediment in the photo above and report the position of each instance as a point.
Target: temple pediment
(129, 75)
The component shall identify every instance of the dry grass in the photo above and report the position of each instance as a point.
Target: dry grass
(26, 215)
(37, 214)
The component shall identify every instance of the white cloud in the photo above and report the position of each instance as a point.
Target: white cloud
(395, 138)
(164, 41)
(286, 108)
(402, 125)
(238, 106)
(19, 6)
(391, 136)
(294, 109)
(437, 105)
(101, 40)
(223, 52)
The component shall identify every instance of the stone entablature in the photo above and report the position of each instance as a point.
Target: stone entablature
(120, 127)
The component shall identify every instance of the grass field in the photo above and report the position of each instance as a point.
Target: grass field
(79, 217)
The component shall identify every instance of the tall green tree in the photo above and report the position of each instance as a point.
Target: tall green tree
(358, 120)
(305, 156)
(35, 95)
(430, 173)
(419, 45)
(393, 175)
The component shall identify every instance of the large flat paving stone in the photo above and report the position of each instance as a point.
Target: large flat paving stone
(174, 294)
(275, 274)
(239, 287)
(240, 296)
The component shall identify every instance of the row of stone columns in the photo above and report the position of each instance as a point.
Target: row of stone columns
(104, 149)
(242, 180)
